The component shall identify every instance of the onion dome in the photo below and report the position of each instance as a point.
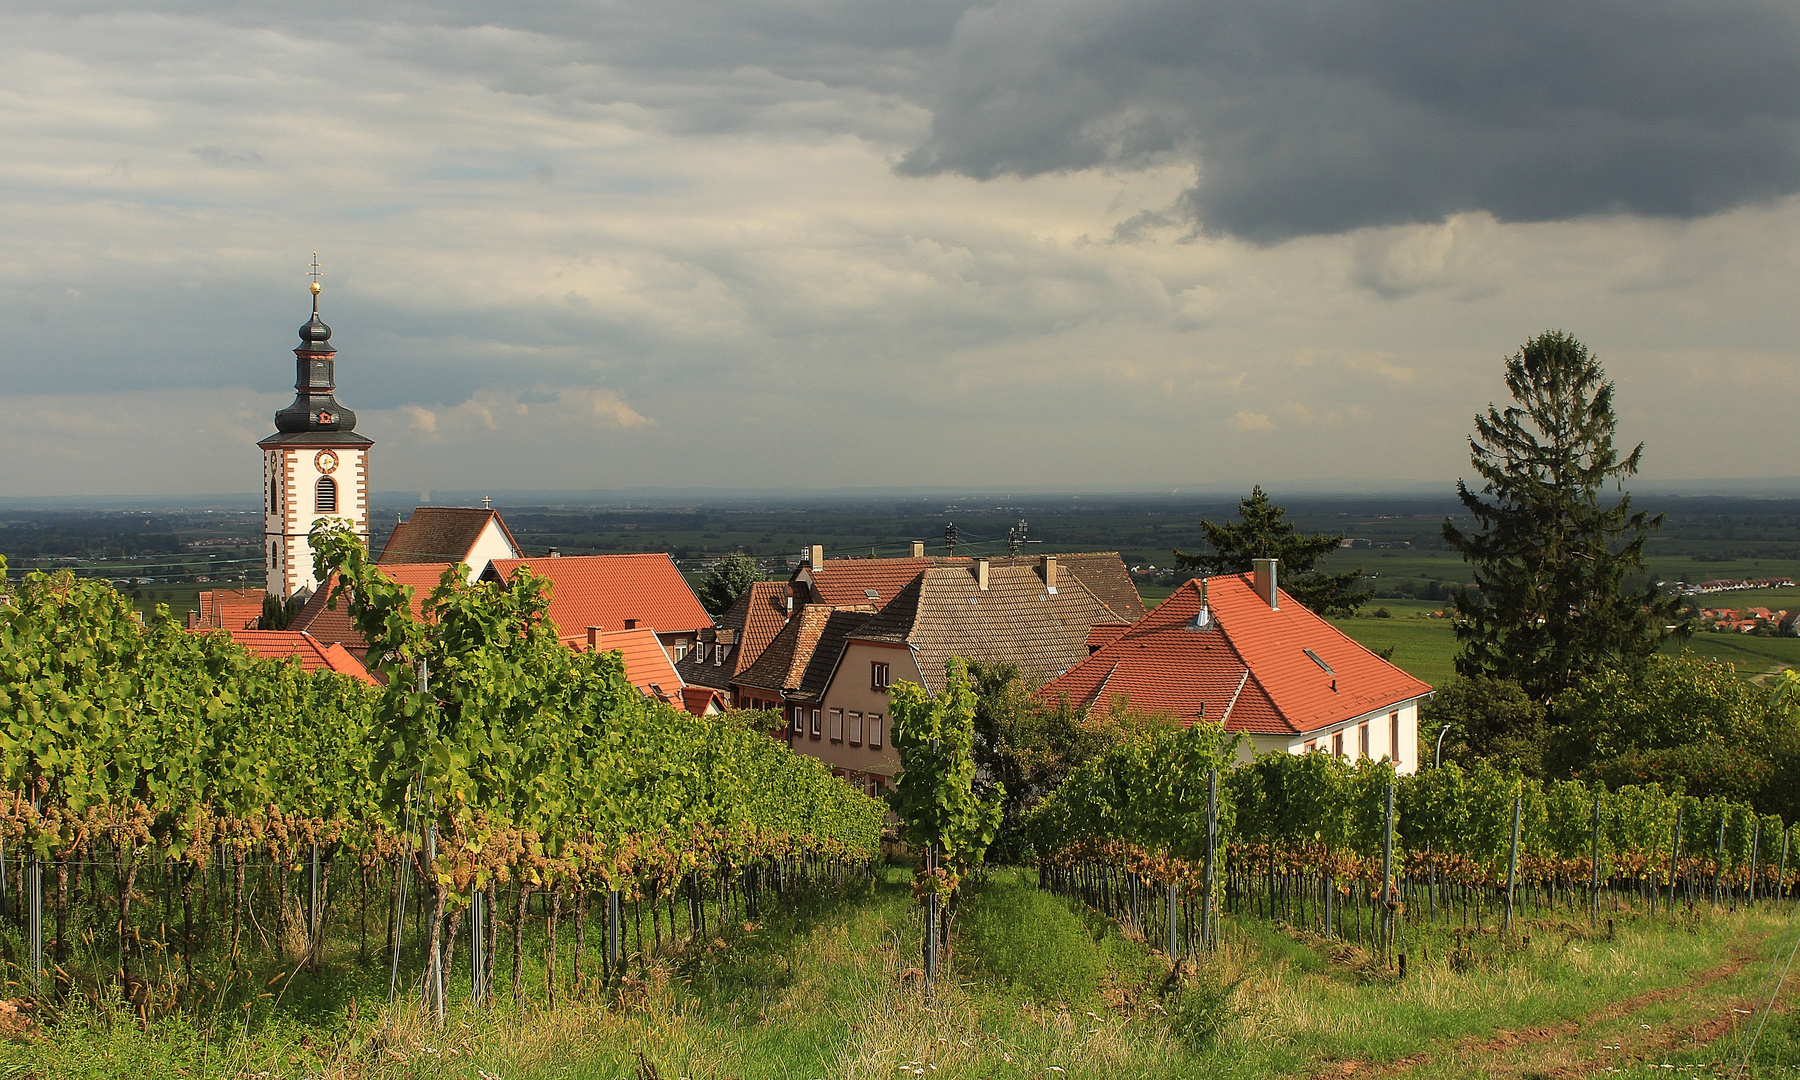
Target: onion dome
(315, 409)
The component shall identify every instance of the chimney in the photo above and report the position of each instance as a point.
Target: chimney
(554, 554)
(593, 639)
(1050, 573)
(981, 574)
(790, 600)
(918, 549)
(1265, 581)
(631, 624)
(818, 558)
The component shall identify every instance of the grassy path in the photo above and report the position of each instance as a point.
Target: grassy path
(1039, 988)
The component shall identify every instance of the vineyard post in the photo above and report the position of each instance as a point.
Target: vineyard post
(613, 916)
(436, 987)
(1594, 866)
(931, 916)
(312, 906)
(3, 877)
(1755, 849)
(1387, 880)
(1207, 933)
(1781, 874)
(1512, 861)
(476, 940)
(1674, 858)
(1719, 860)
(34, 914)
(1174, 942)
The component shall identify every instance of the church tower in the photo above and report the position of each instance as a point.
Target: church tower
(314, 466)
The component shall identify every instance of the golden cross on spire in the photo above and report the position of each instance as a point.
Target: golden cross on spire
(315, 275)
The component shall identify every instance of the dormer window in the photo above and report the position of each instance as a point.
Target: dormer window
(325, 496)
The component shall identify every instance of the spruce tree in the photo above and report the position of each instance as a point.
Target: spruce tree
(1550, 555)
(1263, 532)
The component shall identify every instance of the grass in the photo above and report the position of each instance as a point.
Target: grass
(828, 986)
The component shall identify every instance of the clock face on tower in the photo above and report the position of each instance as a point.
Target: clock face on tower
(326, 461)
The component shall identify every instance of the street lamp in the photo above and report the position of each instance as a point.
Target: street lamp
(1440, 745)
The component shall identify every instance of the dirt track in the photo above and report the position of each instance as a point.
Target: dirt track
(1498, 1053)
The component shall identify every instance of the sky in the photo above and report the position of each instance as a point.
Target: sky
(1066, 244)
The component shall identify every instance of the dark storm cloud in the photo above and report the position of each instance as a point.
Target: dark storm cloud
(1309, 118)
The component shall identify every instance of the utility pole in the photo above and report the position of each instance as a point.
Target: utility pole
(950, 538)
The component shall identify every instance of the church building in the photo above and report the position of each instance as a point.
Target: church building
(315, 466)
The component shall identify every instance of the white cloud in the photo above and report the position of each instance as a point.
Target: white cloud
(678, 253)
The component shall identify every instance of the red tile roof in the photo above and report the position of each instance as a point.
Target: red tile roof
(606, 590)
(745, 630)
(312, 654)
(437, 534)
(799, 662)
(1164, 664)
(847, 582)
(230, 609)
(647, 663)
(1105, 634)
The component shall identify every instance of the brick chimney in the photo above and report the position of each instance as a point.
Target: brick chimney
(918, 549)
(1050, 573)
(818, 558)
(981, 574)
(593, 639)
(1266, 581)
(631, 624)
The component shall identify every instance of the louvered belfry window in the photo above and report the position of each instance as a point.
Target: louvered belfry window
(325, 499)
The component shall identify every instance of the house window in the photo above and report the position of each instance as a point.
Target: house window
(718, 655)
(1394, 735)
(797, 719)
(875, 730)
(681, 648)
(878, 676)
(856, 729)
(1312, 746)
(325, 498)
(1337, 744)
(837, 725)
(815, 723)
(1362, 739)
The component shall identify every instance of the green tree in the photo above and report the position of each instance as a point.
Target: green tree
(1684, 722)
(1025, 747)
(1551, 559)
(1263, 532)
(1490, 719)
(726, 580)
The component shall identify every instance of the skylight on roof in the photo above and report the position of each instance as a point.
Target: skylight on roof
(1315, 658)
(873, 594)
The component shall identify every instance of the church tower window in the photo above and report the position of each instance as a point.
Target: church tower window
(325, 501)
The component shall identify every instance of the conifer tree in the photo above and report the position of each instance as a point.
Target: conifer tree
(1262, 532)
(1550, 555)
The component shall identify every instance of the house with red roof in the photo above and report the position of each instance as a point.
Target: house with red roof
(1236, 650)
(614, 593)
(312, 654)
(473, 536)
(876, 582)
(228, 609)
(721, 653)
(829, 668)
